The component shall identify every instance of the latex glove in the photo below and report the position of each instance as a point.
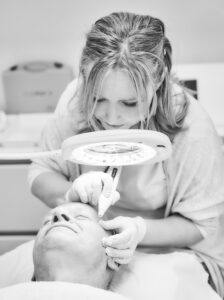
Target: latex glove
(88, 187)
(129, 233)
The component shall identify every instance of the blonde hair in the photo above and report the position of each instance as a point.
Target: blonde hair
(137, 44)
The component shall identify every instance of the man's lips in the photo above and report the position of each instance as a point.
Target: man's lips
(75, 228)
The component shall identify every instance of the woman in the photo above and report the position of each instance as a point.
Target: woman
(125, 82)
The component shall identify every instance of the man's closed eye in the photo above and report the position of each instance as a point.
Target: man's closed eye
(81, 217)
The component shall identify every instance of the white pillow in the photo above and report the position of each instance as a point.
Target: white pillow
(16, 266)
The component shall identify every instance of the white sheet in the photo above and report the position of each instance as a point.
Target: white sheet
(56, 291)
(174, 276)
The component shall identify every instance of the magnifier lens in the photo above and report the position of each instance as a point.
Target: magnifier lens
(112, 153)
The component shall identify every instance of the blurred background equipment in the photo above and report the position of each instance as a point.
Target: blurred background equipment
(35, 87)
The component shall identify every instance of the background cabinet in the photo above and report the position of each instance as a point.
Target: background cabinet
(21, 214)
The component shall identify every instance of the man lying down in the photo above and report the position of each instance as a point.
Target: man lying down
(69, 247)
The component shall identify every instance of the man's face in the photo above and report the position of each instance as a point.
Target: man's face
(69, 243)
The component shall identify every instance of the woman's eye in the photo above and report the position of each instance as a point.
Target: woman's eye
(130, 104)
(100, 100)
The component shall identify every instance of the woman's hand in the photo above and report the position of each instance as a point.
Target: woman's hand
(88, 188)
(130, 232)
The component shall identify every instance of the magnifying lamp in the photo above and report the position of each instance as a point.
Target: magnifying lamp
(112, 148)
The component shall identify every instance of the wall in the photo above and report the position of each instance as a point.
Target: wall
(55, 29)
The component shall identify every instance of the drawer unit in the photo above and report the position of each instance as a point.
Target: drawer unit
(21, 214)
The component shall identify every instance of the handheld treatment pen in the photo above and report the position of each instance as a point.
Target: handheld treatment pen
(106, 202)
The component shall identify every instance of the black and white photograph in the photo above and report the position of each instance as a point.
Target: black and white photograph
(111, 150)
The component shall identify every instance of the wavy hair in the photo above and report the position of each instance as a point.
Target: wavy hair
(137, 44)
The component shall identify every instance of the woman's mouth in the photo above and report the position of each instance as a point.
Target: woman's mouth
(106, 125)
(110, 126)
(113, 125)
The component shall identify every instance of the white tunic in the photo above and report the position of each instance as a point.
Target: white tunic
(190, 183)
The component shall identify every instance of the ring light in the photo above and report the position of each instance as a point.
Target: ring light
(114, 148)
(107, 148)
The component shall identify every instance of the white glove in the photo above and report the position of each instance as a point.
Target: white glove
(88, 188)
(130, 232)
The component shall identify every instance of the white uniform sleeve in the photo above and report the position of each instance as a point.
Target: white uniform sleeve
(196, 181)
(52, 139)
(56, 131)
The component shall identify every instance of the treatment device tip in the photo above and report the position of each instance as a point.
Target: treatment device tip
(104, 204)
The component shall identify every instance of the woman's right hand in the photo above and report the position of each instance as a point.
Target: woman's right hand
(88, 188)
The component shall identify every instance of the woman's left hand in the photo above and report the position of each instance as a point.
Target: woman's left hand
(129, 233)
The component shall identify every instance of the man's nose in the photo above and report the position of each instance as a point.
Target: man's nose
(60, 216)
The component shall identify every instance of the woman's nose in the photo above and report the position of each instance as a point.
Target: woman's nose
(112, 114)
(60, 216)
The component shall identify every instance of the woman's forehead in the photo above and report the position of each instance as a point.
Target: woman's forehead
(117, 84)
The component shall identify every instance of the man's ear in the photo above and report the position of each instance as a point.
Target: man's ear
(112, 264)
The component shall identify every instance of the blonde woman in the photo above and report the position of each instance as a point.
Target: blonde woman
(125, 82)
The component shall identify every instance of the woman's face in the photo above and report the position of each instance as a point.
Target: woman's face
(117, 105)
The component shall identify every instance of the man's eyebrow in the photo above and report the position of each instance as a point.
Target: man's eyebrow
(82, 212)
(89, 213)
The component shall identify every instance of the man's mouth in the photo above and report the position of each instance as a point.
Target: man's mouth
(75, 228)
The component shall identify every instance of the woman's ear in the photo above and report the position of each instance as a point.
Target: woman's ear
(112, 264)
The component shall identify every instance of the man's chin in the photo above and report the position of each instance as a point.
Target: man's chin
(58, 239)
